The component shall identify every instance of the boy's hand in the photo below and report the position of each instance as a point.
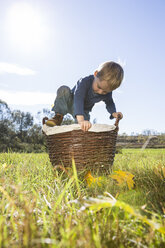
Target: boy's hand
(85, 125)
(116, 114)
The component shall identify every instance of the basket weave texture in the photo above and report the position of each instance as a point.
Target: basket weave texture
(92, 150)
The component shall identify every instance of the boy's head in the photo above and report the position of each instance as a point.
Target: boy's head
(108, 77)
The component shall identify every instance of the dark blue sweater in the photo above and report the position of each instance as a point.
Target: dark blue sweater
(85, 98)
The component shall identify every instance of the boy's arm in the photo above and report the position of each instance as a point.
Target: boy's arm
(110, 105)
(79, 96)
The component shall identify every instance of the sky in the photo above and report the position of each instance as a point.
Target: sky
(48, 43)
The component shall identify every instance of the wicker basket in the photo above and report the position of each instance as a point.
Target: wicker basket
(92, 150)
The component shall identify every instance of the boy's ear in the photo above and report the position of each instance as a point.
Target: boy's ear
(95, 73)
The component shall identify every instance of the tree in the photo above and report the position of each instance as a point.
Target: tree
(5, 112)
(6, 127)
(22, 121)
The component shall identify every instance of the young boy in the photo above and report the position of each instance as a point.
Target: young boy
(89, 90)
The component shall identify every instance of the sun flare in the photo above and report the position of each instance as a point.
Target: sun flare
(25, 26)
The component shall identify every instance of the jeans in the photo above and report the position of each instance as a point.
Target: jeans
(64, 103)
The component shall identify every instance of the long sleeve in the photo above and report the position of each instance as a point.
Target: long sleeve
(110, 105)
(79, 96)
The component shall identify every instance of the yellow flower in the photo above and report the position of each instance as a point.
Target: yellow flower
(124, 177)
(91, 181)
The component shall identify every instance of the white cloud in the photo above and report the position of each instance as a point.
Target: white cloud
(15, 69)
(27, 98)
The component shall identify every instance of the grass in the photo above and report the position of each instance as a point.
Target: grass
(40, 207)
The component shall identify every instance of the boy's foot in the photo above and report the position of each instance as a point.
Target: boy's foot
(55, 121)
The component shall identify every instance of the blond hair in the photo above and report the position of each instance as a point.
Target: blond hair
(112, 73)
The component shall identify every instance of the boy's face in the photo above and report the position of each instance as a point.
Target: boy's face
(100, 87)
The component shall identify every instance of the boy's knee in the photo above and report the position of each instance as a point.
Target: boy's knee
(63, 90)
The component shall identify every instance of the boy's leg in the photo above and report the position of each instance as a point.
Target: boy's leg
(63, 104)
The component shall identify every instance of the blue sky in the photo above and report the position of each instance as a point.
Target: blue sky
(46, 44)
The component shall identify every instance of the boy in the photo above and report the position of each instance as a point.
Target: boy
(89, 90)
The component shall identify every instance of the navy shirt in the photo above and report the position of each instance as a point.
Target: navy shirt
(85, 98)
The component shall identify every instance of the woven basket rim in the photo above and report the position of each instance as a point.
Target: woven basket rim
(75, 127)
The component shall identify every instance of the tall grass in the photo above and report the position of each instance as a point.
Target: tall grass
(41, 207)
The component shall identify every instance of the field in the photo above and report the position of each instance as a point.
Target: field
(41, 207)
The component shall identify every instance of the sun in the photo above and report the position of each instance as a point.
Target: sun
(26, 27)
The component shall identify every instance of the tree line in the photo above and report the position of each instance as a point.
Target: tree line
(20, 133)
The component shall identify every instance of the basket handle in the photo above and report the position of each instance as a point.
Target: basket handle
(117, 120)
(44, 120)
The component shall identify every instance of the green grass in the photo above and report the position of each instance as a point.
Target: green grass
(40, 207)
